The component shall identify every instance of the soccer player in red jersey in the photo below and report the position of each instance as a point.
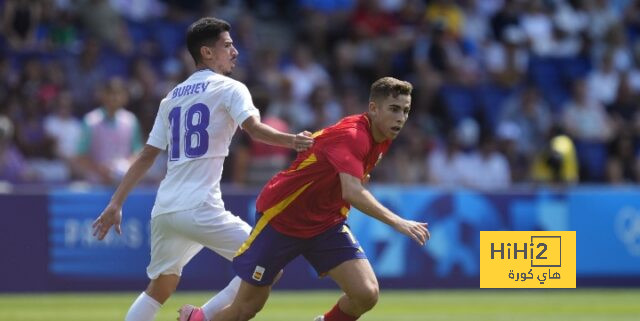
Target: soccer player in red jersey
(302, 210)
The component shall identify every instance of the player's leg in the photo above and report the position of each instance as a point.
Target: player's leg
(161, 288)
(223, 233)
(169, 254)
(337, 253)
(360, 286)
(247, 303)
(259, 263)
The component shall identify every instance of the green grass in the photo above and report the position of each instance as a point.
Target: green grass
(445, 305)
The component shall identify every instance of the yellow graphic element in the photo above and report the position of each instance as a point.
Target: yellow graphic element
(268, 215)
(347, 231)
(344, 211)
(310, 160)
(527, 259)
(318, 133)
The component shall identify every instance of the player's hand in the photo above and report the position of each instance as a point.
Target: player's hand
(302, 141)
(415, 230)
(111, 216)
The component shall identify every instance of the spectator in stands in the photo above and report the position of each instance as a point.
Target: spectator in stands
(441, 44)
(102, 21)
(31, 78)
(304, 73)
(617, 46)
(370, 20)
(531, 115)
(143, 83)
(508, 137)
(85, 73)
(570, 21)
(446, 165)
(603, 82)
(327, 111)
(487, 169)
(406, 164)
(508, 16)
(507, 59)
(585, 118)
(13, 168)
(63, 33)
(36, 145)
(255, 163)
(284, 105)
(53, 83)
(602, 17)
(111, 137)
(63, 127)
(267, 70)
(557, 163)
(20, 21)
(448, 14)
(622, 161)
(445, 54)
(538, 26)
(632, 18)
(587, 122)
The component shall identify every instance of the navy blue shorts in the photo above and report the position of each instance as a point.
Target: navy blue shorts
(269, 251)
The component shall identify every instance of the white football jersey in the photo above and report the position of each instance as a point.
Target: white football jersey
(195, 123)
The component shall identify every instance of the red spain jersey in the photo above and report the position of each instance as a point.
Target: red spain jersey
(306, 199)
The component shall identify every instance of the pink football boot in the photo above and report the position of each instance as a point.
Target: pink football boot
(189, 312)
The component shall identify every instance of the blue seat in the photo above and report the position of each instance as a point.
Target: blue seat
(169, 35)
(460, 102)
(547, 75)
(139, 32)
(592, 159)
(114, 63)
(491, 99)
(573, 68)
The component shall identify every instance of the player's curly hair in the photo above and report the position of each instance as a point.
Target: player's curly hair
(204, 32)
(389, 86)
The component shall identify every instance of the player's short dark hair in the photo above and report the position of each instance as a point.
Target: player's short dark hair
(204, 32)
(389, 86)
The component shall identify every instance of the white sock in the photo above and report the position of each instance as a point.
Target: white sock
(222, 299)
(144, 308)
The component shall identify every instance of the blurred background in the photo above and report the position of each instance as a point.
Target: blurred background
(525, 116)
(533, 92)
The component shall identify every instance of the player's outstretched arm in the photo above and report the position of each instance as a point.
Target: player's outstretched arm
(269, 135)
(354, 193)
(112, 214)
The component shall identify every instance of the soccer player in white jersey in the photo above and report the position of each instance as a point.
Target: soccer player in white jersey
(195, 123)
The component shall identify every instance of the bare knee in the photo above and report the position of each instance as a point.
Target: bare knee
(366, 297)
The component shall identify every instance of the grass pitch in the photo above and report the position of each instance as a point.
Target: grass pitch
(445, 305)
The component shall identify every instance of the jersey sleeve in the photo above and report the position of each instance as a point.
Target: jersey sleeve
(157, 136)
(240, 104)
(346, 152)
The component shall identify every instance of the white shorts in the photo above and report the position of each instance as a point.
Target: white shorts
(177, 237)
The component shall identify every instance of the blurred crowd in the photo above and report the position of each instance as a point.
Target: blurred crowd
(506, 92)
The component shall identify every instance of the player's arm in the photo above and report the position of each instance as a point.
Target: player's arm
(358, 196)
(112, 214)
(269, 135)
